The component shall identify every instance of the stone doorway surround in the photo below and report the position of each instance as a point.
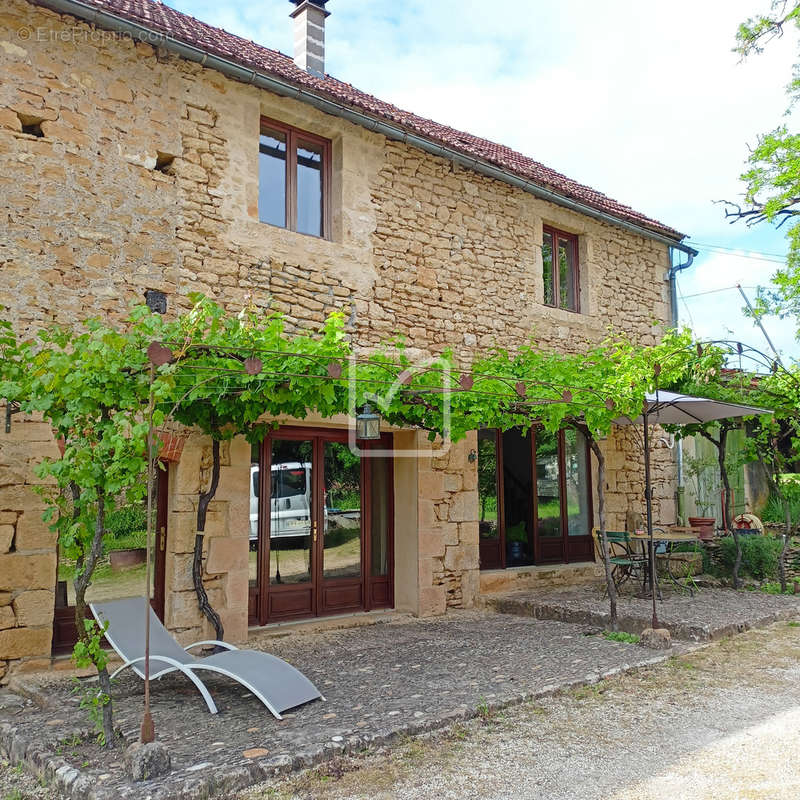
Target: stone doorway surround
(435, 540)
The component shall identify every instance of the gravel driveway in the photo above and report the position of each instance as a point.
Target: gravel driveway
(721, 722)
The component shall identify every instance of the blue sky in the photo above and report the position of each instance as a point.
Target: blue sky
(643, 101)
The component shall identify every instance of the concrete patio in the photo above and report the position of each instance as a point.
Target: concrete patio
(400, 677)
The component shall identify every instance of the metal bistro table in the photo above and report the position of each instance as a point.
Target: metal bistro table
(670, 537)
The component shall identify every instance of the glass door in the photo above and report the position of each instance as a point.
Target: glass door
(534, 498)
(320, 527)
(490, 527)
(342, 540)
(286, 534)
(121, 570)
(549, 493)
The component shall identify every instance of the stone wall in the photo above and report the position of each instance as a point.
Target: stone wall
(625, 476)
(27, 548)
(448, 526)
(225, 545)
(145, 175)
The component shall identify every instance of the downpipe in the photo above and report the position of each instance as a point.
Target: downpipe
(672, 277)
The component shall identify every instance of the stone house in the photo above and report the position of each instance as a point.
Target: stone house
(144, 150)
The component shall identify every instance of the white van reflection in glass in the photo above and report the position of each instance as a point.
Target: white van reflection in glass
(290, 500)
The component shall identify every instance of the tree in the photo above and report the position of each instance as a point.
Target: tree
(775, 441)
(234, 375)
(772, 180)
(229, 372)
(91, 385)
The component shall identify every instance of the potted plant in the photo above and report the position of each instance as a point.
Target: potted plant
(516, 541)
(702, 473)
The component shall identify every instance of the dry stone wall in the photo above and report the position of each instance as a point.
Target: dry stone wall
(27, 548)
(123, 168)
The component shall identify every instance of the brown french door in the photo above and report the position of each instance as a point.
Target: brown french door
(113, 578)
(320, 529)
(534, 492)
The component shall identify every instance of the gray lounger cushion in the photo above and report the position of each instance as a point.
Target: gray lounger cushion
(277, 684)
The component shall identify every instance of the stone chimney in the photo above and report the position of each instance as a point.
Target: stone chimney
(309, 35)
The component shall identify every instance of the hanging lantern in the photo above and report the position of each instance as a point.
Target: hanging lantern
(368, 424)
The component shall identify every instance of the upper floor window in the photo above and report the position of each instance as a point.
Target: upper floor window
(560, 269)
(293, 179)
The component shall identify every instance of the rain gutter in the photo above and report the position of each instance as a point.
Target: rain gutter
(263, 80)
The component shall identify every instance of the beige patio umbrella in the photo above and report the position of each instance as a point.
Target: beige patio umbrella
(672, 408)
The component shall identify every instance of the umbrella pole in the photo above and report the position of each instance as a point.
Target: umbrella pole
(648, 497)
(148, 733)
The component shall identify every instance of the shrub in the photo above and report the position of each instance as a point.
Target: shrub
(773, 511)
(773, 587)
(760, 555)
(126, 520)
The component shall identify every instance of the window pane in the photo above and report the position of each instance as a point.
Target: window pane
(272, 178)
(254, 511)
(547, 269)
(379, 533)
(342, 529)
(566, 274)
(576, 464)
(487, 484)
(548, 489)
(290, 512)
(120, 571)
(518, 491)
(309, 188)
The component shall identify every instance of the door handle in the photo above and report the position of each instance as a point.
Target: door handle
(162, 539)
(314, 531)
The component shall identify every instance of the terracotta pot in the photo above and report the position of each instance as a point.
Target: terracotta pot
(704, 526)
(122, 559)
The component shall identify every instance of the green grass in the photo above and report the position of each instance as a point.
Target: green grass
(774, 587)
(128, 541)
(621, 636)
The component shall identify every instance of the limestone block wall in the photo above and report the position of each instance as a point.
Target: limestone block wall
(625, 476)
(27, 548)
(225, 547)
(448, 527)
(145, 175)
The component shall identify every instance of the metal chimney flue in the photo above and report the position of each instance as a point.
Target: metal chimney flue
(309, 35)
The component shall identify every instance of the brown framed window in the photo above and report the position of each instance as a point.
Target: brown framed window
(560, 269)
(534, 497)
(294, 179)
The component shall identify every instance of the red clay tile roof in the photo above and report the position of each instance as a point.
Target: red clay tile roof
(161, 18)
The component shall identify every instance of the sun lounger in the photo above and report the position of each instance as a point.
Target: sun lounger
(278, 685)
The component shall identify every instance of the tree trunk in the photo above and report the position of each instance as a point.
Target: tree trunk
(601, 518)
(787, 537)
(81, 583)
(728, 511)
(197, 561)
(721, 445)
